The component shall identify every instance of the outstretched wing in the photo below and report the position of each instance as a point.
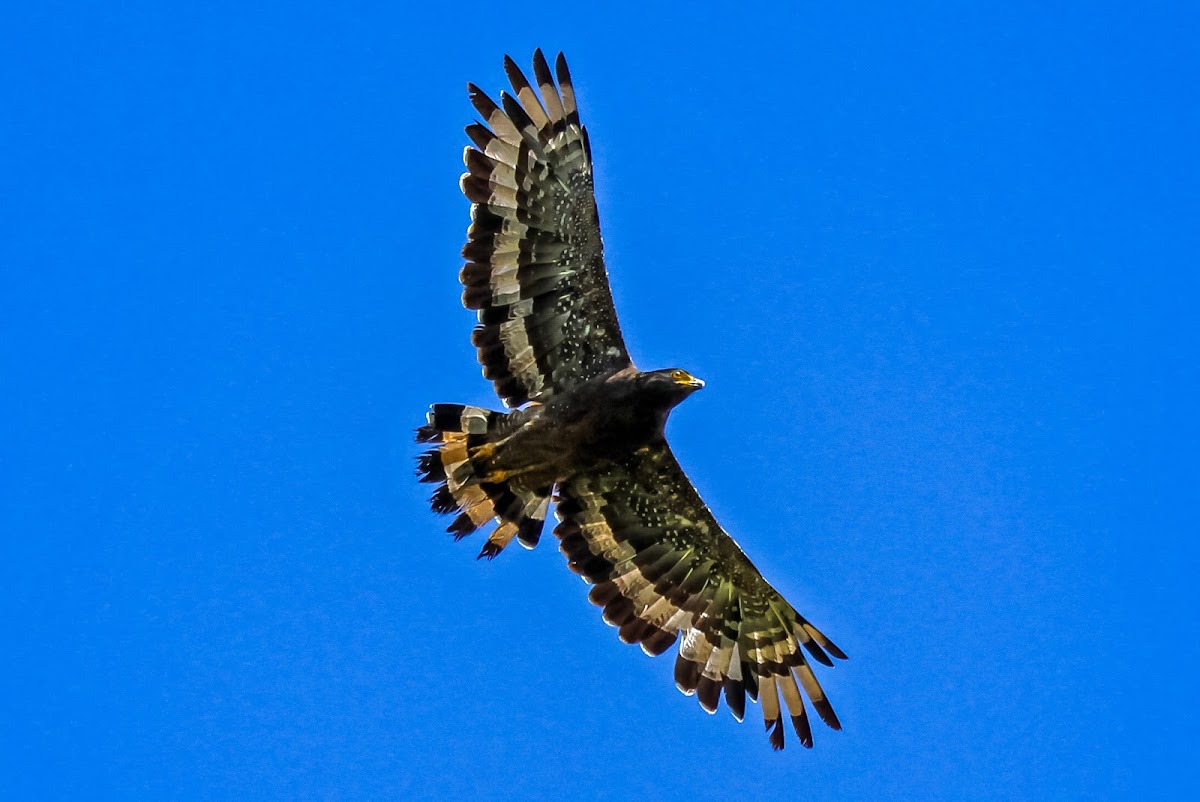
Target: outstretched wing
(535, 263)
(661, 565)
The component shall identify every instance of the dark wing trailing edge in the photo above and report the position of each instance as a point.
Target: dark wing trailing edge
(535, 264)
(661, 564)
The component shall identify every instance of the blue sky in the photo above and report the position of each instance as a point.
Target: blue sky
(937, 265)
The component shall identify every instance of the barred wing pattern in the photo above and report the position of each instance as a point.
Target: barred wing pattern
(535, 266)
(661, 565)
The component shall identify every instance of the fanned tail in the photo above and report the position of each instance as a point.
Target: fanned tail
(459, 465)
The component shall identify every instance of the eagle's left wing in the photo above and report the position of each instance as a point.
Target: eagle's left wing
(661, 564)
(535, 262)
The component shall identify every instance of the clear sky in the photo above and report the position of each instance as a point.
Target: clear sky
(937, 265)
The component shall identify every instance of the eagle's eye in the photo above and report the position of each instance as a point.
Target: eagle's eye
(679, 375)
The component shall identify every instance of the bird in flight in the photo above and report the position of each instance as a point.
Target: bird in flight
(585, 430)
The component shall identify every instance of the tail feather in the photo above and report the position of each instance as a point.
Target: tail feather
(458, 465)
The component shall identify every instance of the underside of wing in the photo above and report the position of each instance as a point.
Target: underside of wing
(535, 266)
(661, 567)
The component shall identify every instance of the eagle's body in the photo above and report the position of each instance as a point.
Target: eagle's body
(586, 429)
(608, 417)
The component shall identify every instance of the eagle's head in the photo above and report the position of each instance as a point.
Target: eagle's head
(672, 385)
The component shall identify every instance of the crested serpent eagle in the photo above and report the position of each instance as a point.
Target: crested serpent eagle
(585, 430)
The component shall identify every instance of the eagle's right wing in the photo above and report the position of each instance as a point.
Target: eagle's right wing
(661, 564)
(535, 264)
